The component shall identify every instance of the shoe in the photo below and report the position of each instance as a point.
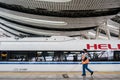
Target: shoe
(83, 74)
(92, 73)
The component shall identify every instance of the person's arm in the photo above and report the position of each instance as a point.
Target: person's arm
(85, 58)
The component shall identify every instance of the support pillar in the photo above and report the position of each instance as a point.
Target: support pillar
(105, 28)
(119, 33)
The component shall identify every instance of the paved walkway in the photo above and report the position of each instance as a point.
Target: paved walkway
(58, 76)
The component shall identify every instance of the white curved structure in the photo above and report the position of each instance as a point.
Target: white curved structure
(56, 17)
(54, 0)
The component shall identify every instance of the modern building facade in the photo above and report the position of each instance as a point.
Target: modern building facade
(54, 17)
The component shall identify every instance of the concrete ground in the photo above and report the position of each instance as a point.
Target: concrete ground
(58, 76)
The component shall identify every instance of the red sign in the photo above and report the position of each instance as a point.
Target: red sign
(103, 47)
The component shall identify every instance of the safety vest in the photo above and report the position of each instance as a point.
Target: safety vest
(83, 57)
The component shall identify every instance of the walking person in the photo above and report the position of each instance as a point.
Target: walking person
(85, 62)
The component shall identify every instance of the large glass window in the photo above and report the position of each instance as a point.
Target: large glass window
(57, 56)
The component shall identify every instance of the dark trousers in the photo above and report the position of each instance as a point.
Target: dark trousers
(85, 67)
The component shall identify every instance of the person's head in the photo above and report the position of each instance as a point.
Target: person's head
(85, 50)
